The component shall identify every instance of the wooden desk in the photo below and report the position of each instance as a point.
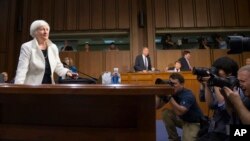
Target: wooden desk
(149, 78)
(78, 112)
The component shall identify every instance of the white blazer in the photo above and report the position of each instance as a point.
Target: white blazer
(31, 64)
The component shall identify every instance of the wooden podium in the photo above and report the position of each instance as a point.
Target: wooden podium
(75, 112)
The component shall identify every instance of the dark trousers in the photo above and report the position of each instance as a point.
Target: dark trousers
(213, 136)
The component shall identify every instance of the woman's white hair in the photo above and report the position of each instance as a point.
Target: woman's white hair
(35, 25)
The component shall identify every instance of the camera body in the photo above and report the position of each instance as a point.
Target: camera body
(162, 81)
(164, 98)
(214, 79)
(229, 82)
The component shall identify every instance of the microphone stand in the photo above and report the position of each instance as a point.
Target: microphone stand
(93, 78)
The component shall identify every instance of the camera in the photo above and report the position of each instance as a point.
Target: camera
(162, 81)
(229, 82)
(204, 72)
(164, 98)
(215, 80)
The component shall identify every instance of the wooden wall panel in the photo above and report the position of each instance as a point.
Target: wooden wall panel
(244, 12)
(84, 15)
(215, 9)
(229, 12)
(245, 55)
(97, 14)
(117, 59)
(3, 62)
(70, 54)
(59, 15)
(124, 8)
(46, 10)
(187, 13)
(71, 14)
(3, 25)
(91, 63)
(35, 10)
(173, 7)
(201, 13)
(200, 58)
(217, 53)
(166, 58)
(110, 14)
(160, 13)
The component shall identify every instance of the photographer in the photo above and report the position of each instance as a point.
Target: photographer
(185, 112)
(239, 104)
(222, 69)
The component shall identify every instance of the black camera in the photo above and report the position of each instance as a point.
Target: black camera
(204, 72)
(164, 98)
(215, 80)
(229, 82)
(162, 81)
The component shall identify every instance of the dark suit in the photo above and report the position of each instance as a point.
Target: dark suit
(139, 63)
(184, 64)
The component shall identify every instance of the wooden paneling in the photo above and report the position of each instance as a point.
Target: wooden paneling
(173, 7)
(117, 59)
(59, 15)
(35, 10)
(2, 62)
(110, 14)
(97, 14)
(47, 9)
(79, 112)
(201, 13)
(167, 58)
(70, 54)
(124, 8)
(200, 58)
(187, 13)
(84, 14)
(229, 12)
(71, 14)
(245, 55)
(215, 9)
(244, 12)
(217, 53)
(91, 63)
(160, 13)
(3, 26)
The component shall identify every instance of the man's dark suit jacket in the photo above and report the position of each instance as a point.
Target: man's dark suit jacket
(184, 64)
(139, 63)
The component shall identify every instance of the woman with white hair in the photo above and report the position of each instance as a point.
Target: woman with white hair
(39, 58)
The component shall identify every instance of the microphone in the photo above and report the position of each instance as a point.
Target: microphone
(95, 79)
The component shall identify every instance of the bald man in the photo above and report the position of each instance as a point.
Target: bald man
(142, 61)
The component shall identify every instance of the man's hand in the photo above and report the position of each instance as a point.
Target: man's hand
(231, 95)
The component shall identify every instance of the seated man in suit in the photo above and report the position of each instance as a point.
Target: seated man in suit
(142, 62)
(176, 68)
(185, 61)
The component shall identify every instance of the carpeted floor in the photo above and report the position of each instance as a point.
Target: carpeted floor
(161, 133)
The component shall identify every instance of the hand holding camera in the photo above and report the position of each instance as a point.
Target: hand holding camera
(209, 75)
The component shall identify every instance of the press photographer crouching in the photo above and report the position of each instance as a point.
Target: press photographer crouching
(222, 73)
(185, 112)
(235, 101)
